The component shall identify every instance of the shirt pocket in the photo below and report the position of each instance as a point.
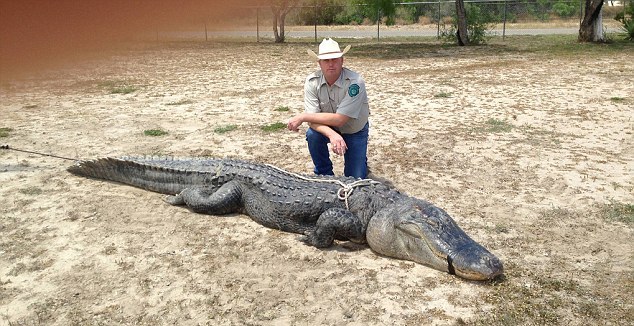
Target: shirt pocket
(326, 107)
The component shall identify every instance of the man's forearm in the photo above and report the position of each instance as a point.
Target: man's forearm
(322, 118)
(322, 129)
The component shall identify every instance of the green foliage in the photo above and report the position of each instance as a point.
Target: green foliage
(4, 131)
(620, 212)
(406, 14)
(495, 125)
(565, 9)
(443, 95)
(33, 191)
(325, 12)
(118, 87)
(627, 19)
(282, 109)
(273, 127)
(181, 102)
(349, 15)
(125, 89)
(225, 129)
(376, 9)
(479, 22)
(154, 132)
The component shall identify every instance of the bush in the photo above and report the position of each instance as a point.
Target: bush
(326, 12)
(478, 24)
(564, 9)
(627, 19)
(405, 15)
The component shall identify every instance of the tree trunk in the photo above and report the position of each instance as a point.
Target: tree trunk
(279, 38)
(280, 9)
(591, 29)
(462, 34)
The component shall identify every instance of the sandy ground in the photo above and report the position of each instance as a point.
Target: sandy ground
(523, 149)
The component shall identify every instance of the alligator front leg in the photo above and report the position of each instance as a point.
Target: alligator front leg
(335, 223)
(224, 200)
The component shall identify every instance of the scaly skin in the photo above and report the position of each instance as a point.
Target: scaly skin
(392, 223)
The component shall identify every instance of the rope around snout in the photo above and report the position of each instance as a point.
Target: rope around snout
(343, 193)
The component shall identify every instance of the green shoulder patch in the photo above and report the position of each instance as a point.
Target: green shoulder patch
(353, 90)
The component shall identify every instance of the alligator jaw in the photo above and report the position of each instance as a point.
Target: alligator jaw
(474, 263)
(418, 231)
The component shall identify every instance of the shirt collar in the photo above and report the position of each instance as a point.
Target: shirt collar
(339, 82)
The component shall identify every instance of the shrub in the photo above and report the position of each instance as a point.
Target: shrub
(565, 9)
(478, 24)
(627, 19)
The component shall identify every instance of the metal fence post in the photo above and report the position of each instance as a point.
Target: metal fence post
(257, 24)
(378, 24)
(580, 12)
(315, 21)
(438, 22)
(504, 23)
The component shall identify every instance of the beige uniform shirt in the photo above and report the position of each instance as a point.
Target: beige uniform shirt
(346, 96)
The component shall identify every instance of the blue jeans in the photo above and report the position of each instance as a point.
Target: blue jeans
(355, 158)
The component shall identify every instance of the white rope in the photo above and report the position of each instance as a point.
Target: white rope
(346, 188)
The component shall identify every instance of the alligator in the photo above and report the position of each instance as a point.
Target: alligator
(321, 209)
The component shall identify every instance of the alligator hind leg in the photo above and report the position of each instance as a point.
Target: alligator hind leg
(215, 201)
(335, 223)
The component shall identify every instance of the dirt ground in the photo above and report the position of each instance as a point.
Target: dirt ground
(531, 153)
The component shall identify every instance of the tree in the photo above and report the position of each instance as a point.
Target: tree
(462, 33)
(280, 9)
(591, 29)
(377, 8)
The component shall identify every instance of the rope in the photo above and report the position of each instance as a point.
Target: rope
(37, 153)
(343, 193)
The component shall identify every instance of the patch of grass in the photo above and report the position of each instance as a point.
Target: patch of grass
(555, 45)
(443, 95)
(4, 131)
(273, 127)
(181, 102)
(501, 228)
(618, 212)
(282, 109)
(225, 129)
(125, 89)
(117, 87)
(32, 191)
(495, 125)
(531, 299)
(154, 132)
(617, 99)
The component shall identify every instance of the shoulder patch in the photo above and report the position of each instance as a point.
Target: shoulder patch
(353, 90)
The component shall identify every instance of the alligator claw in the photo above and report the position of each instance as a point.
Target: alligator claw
(174, 199)
(312, 239)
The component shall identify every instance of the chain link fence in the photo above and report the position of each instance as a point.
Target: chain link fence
(329, 18)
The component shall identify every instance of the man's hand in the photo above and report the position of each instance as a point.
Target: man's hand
(339, 146)
(294, 122)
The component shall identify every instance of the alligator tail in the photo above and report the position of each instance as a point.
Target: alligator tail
(157, 178)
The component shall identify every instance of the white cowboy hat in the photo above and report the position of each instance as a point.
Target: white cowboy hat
(329, 49)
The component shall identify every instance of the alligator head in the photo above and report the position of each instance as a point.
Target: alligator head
(416, 230)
